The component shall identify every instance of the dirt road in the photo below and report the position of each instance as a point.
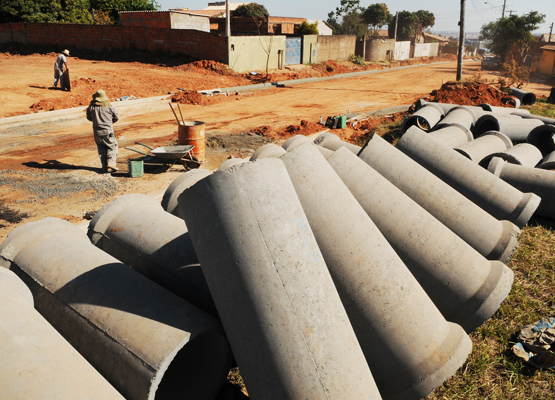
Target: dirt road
(49, 167)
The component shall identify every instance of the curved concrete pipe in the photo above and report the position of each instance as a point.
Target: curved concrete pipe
(451, 272)
(523, 154)
(494, 239)
(526, 98)
(232, 162)
(539, 181)
(182, 182)
(392, 330)
(286, 324)
(515, 127)
(452, 135)
(548, 161)
(332, 142)
(270, 150)
(491, 194)
(425, 118)
(147, 342)
(489, 143)
(461, 115)
(37, 362)
(137, 231)
(543, 137)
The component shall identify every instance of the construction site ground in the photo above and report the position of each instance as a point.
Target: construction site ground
(48, 160)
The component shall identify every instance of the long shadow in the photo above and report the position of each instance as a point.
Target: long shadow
(55, 164)
(120, 56)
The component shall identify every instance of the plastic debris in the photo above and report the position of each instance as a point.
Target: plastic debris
(536, 344)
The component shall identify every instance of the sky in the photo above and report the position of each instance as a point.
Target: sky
(447, 12)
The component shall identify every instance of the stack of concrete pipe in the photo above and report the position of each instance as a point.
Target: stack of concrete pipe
(147, 342)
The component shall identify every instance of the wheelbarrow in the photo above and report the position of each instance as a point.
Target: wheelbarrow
(169, 156)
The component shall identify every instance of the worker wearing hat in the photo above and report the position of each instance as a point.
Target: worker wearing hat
(103, 115)
(60, 66)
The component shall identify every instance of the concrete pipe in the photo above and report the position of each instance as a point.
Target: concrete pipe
(543, 137)
(526, 98)
(425, 117)
(182, 182)
(37, 362)
(548, 161)
(147, 342)
(461, 115)
(545, 120)
(491, 194)
(137, 231)
(494, 239)
(332, 142)
(452, 135)
(392, 330)
(489, 143)
(286, 324)
(270, 150)
(464, 286)
(503, 110)
(523, 154)
(299, 140)
(512, 101)
(515, 127)
(539, 181)
(232, 162)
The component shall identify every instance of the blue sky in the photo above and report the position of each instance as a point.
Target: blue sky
(447, 12)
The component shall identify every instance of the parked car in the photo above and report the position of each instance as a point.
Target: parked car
(490, 62)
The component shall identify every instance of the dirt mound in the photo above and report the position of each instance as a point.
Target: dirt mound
(305, 128)
(211, 65)
(188, 97)
(468, 94)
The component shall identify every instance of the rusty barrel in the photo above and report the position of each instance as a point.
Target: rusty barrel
(192, 132)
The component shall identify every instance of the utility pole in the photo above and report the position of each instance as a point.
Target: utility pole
(227, 19)
(461, 41)
(550, 31)
(504, 4)
(397, 23)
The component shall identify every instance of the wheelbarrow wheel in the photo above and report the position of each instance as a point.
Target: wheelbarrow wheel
(188, 165)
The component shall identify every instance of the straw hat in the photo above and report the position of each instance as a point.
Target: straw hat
(100, 95)
(66, 52)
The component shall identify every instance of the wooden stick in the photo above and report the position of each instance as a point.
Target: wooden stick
(179, 107)
(177, 119)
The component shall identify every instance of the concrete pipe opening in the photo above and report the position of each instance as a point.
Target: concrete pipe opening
(199, 360)
(486, 123)
(543, 138)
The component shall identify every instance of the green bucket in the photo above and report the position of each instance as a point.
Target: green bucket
(135, 167)
(342, 123)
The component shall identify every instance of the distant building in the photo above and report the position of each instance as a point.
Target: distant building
(546, 37)
(323, 27)
(166, 19)
(547, 63)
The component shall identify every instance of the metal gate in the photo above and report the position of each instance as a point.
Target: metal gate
(293, 50)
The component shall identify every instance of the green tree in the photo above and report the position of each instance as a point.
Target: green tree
(408, 21)
(250, 10)
(376, 15)
(511, 31)
(307, 29)
(347, 19)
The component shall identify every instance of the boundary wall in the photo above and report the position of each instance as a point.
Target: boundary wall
(193, 43)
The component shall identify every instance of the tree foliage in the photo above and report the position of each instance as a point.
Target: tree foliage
(376, 16)
(306, 28)
(347, 19)
(250, 10)
(510, 31)
(69, 11)
(408, 22)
